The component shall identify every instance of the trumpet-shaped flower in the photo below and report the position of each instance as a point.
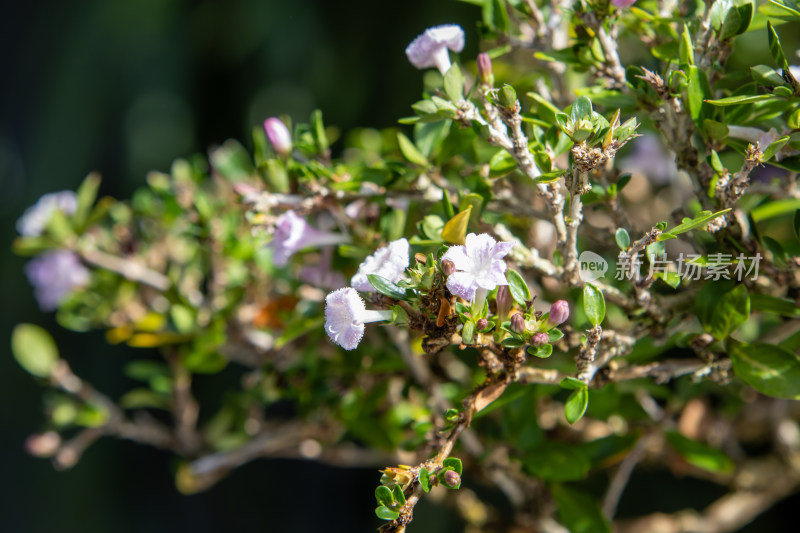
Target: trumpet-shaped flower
(293, 233)
(479, 265)
(54, 275)
(430, 49)
(388, 262)
(345, 316)
(33, 222)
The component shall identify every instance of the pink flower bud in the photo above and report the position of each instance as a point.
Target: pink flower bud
(517, 323)
(559, 313)
(485, 69)
(452, 479)
(503, 300)
(481, 324)
(44, 444)
(278, 135)
(622, 4)
(540, 339)
(448, 267)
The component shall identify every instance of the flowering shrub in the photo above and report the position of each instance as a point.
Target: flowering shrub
(505, 352)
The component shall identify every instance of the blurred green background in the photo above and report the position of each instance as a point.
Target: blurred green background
(126, 86)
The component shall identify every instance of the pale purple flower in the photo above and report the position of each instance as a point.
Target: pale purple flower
(322, 274)
(54, 275)
(34, 220)
(430, 49)
(649, 157)
(278, 135)
(345, 316)
(388, 262)
(622, 4)
(293, 233)
(479, 264)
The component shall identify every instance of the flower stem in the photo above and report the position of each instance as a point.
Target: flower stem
(479, 302)
(375, 315)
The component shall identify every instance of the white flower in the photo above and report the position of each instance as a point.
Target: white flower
(430, 48)
(479, 265)
(388, 262)
(345, 316)
(33, 222)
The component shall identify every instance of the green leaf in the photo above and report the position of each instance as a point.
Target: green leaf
(571, 383)
(387, 288)
(512, 342)
(384, 513)
(721, 307)
(766, 75)
(775, 47)
(518, 288)
(767, 368)
(699, 454)
(384, 496)
(796, 223)
(318, 132)
(700, 220)
(622, 238)
(425, 479)
(34, 349)
(697, 91)
(557, 461)
(579, 512)
(741, 99)
(772, 304)
(554, 335)
(454, 463)
(454, 83)
(686, 53)
(399, 497)
(784, 9)
(87, 194)
(775, 248)
(410, 151)
(581, 108)
(576, 405)
(594, 304)
(542, 352)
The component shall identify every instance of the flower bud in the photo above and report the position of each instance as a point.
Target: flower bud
(559, 313)
(452, 479)
(540, 339)
(420, 258)
(448, 267)
(44, 444)
(622, 4)
(503, 300)
(278, 135)
(481, 324)
(485, 69)
(517, 323)
(508, 97)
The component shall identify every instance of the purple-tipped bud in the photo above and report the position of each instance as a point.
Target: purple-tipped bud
(622, 4)
(503, 300)
(485, 69)
(452, 479)
(540, 339)
(517, 323)
(278, 135)
(448, 267)
(559, 313)
(482, 324)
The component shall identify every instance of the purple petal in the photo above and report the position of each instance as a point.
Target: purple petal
(458, 255)
(462, 284)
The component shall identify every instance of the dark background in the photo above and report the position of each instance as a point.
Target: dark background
(126, 86)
